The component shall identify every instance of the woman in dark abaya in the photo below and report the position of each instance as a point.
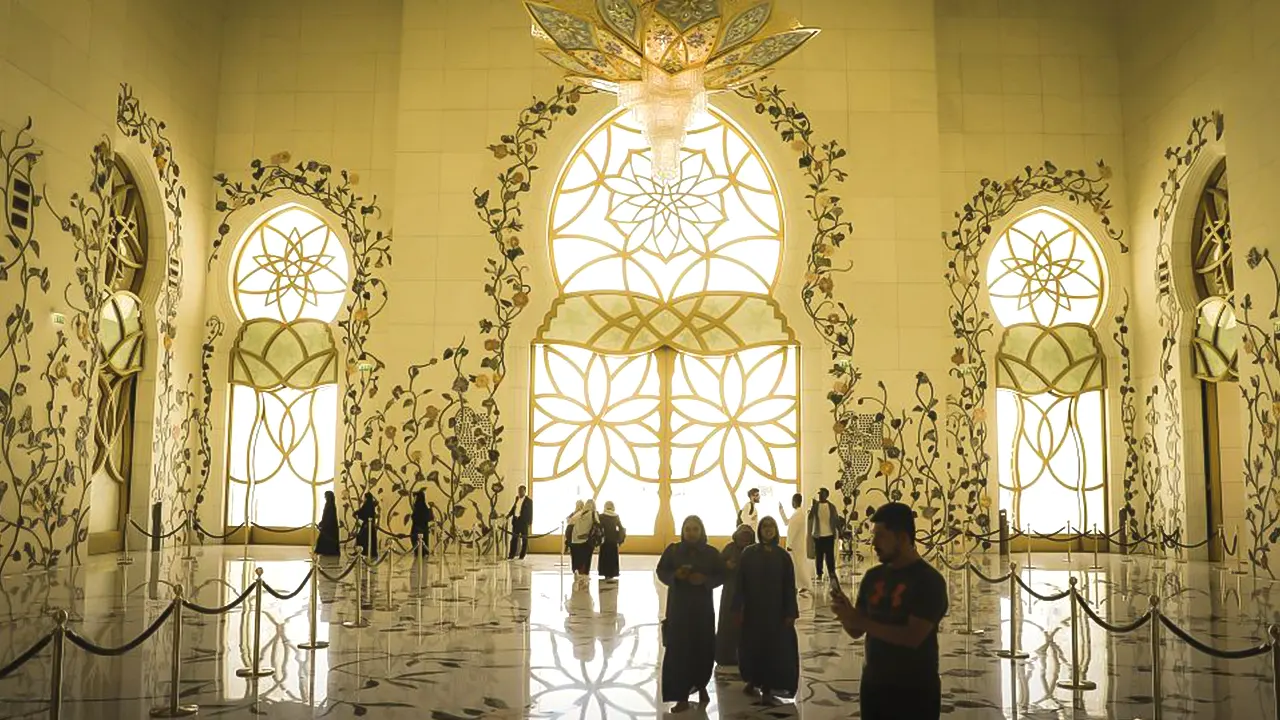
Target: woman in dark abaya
(367, 534)
(612, 535)
(327, 540)
(727, 629)
(420, 522)
(690, 569)
(768, 657)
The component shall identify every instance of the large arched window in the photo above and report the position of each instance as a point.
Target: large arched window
(665, 377)
(121, 340)
(288, 281)
(1047, 281)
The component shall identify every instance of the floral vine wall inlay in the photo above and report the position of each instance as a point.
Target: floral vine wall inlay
(1162, 439)
(1261, 392)
(972, 324)
(1133, 526)
(172, 434)
(45, 435)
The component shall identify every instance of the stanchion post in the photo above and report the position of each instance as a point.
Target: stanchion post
(1155, 656)
(1013, 653)
(314, 603)
(968, 603)
(188, 553)
(1004, 533)
(1076, 683)
(1069, 542)
(1239, 559)
(562, 542)
(256, 670)
(55, 674)
(1097, 540)
(124, 558)
(1274, 632)
(360, 621)
(175, 708)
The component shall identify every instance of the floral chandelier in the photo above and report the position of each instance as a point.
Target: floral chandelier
(662, 57)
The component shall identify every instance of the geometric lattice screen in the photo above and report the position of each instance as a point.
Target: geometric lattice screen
(665, 377)
(1046, 279)
(288, 281)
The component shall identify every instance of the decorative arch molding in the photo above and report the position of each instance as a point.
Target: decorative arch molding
(316, 184)
(1164, 442)
(971, 321)
(175, 419)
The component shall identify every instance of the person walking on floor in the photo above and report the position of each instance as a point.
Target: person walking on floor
(765, 604)
(612, 535)
(798, 542)
(568, 525)
(690, 569)
(727, 629)
(900, 603)
(420, 524)
(367, 532)
(824, 526)
(748, 514)
(327, 543)
(583, 533)
(521, 520)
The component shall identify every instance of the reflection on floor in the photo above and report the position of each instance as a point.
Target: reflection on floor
(466, 638)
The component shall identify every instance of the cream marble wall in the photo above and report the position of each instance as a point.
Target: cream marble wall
(62, 64)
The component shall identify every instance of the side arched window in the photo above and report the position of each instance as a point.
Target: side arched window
(1047, 281)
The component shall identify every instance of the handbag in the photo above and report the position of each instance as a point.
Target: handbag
(622, 534)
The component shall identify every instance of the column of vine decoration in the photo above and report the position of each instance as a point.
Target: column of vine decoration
(1128, 422)
(171, 435)
(200, 413)
(370, 255)
(1261, 344)
(972, 324)
(44, 441)
(1167, 415)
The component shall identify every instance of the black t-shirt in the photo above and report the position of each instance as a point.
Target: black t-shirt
(890, 596)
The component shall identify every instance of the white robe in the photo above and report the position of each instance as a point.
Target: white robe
(797, 543)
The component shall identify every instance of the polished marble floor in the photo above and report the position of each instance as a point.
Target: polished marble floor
(466, 638)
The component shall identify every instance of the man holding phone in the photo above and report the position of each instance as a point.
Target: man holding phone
(900, 603)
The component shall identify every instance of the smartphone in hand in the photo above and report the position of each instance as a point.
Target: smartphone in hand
(835, 586)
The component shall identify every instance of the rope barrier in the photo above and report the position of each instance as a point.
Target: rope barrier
(223, 609)
(1117, 629)
(214, 536)
(161, 536)
(289, 596)
(375, 563)
(1212, 651)
(1171, 541)
(1038, 596)
(990, 580)
(93, 649)
(340, 576)
(22, 659)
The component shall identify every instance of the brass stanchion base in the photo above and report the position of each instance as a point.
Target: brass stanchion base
(124, 560)
(317, 645)
(1083, 685)
(173, 712)
(971, 632)
(356, 624)
(251, 673)
(1011, 655)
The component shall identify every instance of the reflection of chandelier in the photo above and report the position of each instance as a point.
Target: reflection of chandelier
(661, 57)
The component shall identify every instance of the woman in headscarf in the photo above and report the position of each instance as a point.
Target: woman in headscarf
(367, 534)
(327, 540)
(568, 525)
(690, 569)
(612, 535)
(420, 523)
(727, 628)
(768, 656)
(582, 538)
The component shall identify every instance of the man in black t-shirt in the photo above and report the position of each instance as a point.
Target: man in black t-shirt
(900, 603)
